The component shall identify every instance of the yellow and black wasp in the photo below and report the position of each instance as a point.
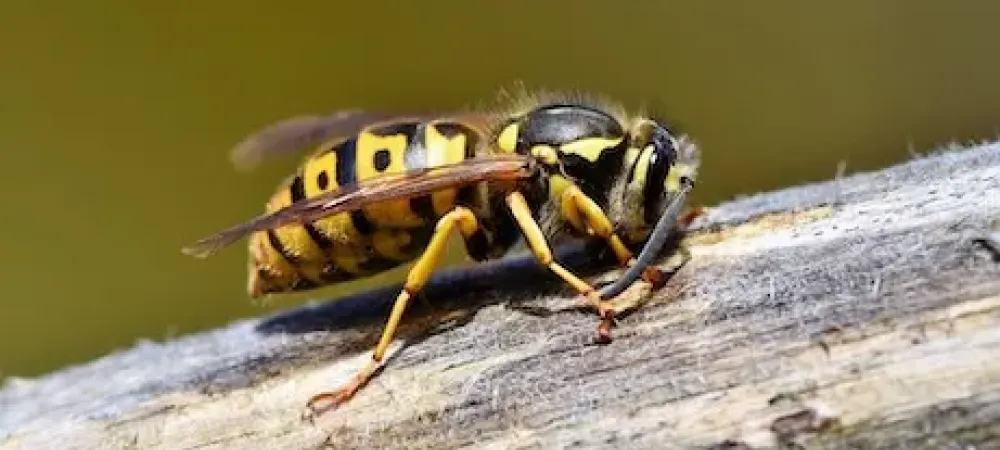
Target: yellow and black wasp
(383, 190)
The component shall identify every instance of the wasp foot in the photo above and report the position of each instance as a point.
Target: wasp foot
(324, 402)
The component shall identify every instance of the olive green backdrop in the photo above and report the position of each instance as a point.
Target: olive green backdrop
(117, 116)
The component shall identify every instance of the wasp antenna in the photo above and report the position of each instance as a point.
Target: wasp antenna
(653, 245)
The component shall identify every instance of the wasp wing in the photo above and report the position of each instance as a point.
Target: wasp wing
(289, 136)
(390, 187)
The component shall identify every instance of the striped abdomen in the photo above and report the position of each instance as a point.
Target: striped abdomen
(376, 238)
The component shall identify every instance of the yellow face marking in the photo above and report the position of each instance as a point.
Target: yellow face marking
(507, 141)
(639, 176)
(630, 156)
(590, 148)
(634, 191)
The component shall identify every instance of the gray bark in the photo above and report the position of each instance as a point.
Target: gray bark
(863, 312)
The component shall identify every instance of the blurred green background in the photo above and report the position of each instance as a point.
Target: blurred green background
(117, 116)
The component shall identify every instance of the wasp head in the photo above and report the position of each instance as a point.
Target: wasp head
(658, 165)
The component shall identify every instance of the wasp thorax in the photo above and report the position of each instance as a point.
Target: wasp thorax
(576, 141)
(562, 124)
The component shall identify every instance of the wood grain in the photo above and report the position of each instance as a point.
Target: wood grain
(862, 312)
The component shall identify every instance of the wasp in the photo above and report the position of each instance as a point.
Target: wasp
(381, 190)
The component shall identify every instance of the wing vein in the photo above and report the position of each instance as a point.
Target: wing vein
(391, 187)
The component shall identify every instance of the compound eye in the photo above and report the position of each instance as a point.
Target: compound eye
(664, 147)
(662, 152)
(659, 166)
(662, 155)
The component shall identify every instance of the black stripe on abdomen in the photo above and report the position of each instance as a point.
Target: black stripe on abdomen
(277, 245)
(361, 222)
(347, 163)
(297, 189)
(423, 207)
(298, 193)
(347, 175)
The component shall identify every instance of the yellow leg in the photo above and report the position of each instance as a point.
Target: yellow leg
(415, 281)
(581, 211)
(536, 241)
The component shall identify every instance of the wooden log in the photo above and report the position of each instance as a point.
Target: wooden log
(859, 312)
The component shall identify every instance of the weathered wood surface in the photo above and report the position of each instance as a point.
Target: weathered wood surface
(860, 312)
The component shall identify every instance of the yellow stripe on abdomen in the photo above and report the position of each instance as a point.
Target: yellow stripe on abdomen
(447, 143)
(293, 242)
(380, 155)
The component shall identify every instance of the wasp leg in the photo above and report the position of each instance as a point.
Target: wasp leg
(627, 304)
(581, 211)
(992, 244)
(421, 271)
(686, 219)
(543, 253)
